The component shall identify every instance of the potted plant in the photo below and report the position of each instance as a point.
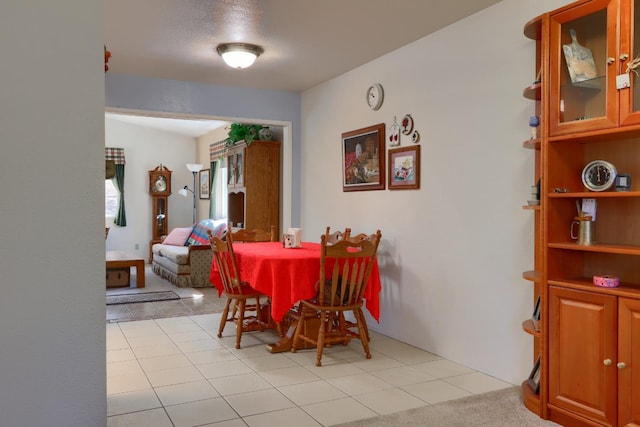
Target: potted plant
(242, 132)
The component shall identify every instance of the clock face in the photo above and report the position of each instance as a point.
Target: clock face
(375, 96)
(160, 184)
(599, 175)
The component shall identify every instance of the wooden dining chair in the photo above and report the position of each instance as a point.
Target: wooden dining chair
(237, 292)
(256, 235)
(345, 268)
(336, 236)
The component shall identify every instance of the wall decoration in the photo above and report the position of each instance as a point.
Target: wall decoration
(407, 124)
(394, 133)
(404, 168)
(375, 96)
(415, 137)
(363, 159)
(205, 181)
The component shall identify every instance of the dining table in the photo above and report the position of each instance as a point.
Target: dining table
(286, 276)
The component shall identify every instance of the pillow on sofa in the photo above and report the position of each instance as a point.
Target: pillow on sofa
(178, 236)
(199, 234)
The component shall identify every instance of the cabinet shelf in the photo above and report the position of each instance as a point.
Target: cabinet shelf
(594, 195)
(600, 247)
(532, 144)
(529, 328)
(531, 400)
(533, 29)
(532, 276)
(533, 92)
(586, 284)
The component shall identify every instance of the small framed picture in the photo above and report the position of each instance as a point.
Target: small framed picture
(535, 317)
(205, 184)
(404, 168)
(534, 377)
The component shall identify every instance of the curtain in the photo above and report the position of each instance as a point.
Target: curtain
(213, 187)
(117, 155)
(216, 153)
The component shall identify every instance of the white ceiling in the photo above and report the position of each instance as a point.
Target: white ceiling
(306, 42)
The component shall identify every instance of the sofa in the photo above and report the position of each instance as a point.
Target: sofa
(184, 256)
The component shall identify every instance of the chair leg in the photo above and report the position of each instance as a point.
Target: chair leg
(364, 324)
(240, 321)
(223, 319)
(363, 333)
(297, 333)
(321, 332)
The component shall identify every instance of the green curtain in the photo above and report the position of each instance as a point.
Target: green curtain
(121, 216)
(212, 190)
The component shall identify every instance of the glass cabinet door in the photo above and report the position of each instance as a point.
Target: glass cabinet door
(629, 52)
(583, 67)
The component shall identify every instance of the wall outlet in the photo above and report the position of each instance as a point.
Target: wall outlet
(137, 246)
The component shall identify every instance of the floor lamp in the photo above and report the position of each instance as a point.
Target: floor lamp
(194, 168)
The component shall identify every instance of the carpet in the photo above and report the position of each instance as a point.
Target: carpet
(144, 297)
(501, 408)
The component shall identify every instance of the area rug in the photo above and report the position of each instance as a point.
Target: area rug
(144, 297)
(501, 408)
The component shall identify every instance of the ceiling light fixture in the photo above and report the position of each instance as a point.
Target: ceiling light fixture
(239, 55)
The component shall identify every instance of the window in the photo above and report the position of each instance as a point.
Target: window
(111, 197)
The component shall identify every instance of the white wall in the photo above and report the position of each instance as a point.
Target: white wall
(453, 251)
(144, 149)
(52, 306)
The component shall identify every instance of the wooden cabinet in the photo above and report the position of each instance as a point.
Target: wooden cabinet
(583, 327)
(253, 182)
(592, 356)
(607, 30)
(534, 30)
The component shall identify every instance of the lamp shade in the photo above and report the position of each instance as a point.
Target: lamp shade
(194, 167)
(239, 55)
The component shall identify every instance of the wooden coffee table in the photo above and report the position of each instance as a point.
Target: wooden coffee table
(121, 259)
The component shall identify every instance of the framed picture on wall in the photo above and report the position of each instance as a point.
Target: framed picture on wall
(404, 168)
(205, 181)
(363, 159)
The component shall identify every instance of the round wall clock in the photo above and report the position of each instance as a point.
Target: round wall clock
(599, 175)
(375, 96)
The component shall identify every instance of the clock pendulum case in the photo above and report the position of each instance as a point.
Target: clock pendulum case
(159, 190)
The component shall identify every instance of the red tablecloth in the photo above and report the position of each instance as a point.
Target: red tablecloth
(288, 275)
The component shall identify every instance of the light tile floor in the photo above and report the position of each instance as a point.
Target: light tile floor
(175, 372)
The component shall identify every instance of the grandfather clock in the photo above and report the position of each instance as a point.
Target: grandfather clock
(160, 190)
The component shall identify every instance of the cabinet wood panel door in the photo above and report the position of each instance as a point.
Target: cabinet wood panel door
(629, 356)
(583, 353)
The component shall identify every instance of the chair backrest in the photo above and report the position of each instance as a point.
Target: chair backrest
(359, 237)
(336, 236)
(226, 262)
(256, 235)
(345, 268)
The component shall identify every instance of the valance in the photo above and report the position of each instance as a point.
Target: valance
(115, 154)
(216, 150)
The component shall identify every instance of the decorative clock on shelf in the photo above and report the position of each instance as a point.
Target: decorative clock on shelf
(599, 175)
(159, 190)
